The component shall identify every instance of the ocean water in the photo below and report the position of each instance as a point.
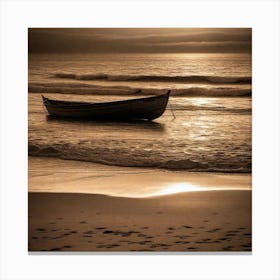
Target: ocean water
(210, 97)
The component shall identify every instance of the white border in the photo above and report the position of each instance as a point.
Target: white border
(262, 16)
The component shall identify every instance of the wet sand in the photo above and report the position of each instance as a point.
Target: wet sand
(203, 221)
(47, 174)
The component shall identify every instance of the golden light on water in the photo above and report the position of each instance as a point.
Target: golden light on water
(202, 101)
(180, 187)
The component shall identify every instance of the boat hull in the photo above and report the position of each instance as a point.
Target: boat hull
(148, 108)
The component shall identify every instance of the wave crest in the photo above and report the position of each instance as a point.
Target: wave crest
(157, 78)
(69, 88)
(136, 158)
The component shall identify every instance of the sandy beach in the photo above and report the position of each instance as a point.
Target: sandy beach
(209, 219)
(179, 183)
(194, 221)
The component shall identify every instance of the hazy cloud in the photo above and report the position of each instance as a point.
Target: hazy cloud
(139, 40)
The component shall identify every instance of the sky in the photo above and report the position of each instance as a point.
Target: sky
(140, 40)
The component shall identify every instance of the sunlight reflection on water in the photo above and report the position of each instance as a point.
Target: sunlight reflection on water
(180, 187)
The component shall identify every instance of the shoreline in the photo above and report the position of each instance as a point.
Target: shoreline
(84, 177)
(75, 207)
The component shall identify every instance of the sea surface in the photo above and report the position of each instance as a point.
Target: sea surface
(210, 99)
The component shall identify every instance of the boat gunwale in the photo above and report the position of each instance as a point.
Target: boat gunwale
(72, 104)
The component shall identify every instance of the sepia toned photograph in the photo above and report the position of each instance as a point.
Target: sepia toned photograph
(140, 140)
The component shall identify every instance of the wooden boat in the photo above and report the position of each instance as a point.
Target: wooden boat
(148, 108)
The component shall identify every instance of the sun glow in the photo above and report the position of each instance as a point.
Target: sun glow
(180, 187)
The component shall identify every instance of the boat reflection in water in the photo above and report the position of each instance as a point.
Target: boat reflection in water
(134, 125)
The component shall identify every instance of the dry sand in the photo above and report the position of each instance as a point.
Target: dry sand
(185, 222)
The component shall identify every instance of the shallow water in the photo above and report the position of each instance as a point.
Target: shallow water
(208, 133)
(207, 137)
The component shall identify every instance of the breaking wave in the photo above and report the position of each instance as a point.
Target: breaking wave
(71, 88)
(82, 88)
(122, 156)
(157, 78)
